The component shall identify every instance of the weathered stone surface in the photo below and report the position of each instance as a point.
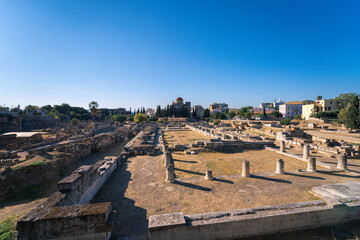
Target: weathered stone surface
(159, 222)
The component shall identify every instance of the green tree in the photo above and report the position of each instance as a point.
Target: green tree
(47, 108)
(119, 118)
(276, 114)
(31, 108)
(232, 114)
(344, 100)
(219, 115)
(55, 113)
(93, 109)
(205, 114)
(352, 116)
(158, 111)
(306, 102)
(130, 118)
(319, 98)
(140, 117)
(244, 111)
(74, 122)
(153, 119)
(264, 115)
(248, 114)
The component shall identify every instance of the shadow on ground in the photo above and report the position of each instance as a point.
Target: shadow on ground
(130, 222)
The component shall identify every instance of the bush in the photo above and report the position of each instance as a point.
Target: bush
(232, 114)
(74, 122)
(130, 118)
(330, 114)
(219, 115)
(119, 118)
(216, 122)
(140, 117)
(297, 117)
(153, 119)
(285, 121)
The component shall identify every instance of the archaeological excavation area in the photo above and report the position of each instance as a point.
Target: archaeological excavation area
(199, 181)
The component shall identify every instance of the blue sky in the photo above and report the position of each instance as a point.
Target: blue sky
(143, 53)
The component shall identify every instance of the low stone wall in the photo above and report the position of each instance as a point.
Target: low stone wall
(63, 216)
(251, 222)
(227, 139)
(143, 143)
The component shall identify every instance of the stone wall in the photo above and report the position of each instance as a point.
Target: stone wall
(227, 139)
(63, 215)
(251, 222)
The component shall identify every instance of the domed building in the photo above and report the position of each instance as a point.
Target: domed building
(181, 109)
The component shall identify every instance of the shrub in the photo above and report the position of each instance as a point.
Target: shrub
(285, 121)
(140, 117)
(130, 118)
(119, 118)
(74, 122)
(330, 114)
(153, 119)
(297, 117)
(216, 122)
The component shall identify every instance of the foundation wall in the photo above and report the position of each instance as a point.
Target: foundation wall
(243, 223)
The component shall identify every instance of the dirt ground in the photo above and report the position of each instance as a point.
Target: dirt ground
(185, 136)
(229, 162)
(138, 190)
(353, 163)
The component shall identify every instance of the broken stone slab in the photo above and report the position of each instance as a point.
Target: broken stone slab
(165, 221)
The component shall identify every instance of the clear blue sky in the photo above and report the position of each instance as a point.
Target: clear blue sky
(144, 53)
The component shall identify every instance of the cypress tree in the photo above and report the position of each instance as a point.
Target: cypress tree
(352, 116)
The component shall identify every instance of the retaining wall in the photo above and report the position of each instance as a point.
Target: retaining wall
(251, 222)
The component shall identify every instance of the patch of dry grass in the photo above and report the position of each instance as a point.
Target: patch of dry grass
(229, 162)
(185, 136)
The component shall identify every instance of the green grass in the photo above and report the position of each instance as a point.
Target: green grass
(7, 228)
(38, 163)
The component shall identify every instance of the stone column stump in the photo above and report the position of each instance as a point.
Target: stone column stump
(311, 166)
(245, 169)
(306, 152)
(208, 174)
(280, 166)
(170, 174)
(282, 146)
(342, 162)
(167, 159)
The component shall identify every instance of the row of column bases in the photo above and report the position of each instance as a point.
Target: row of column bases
(311, 164)
(342, 158)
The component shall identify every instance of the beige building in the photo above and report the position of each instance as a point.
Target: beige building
(324, 105)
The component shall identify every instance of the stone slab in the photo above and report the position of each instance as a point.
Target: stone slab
(163, 221)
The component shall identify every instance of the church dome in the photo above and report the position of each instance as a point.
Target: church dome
(179, 100)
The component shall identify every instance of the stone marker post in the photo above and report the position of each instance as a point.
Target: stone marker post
(280, 166)
(282, 146)
(306, 152)
(209, 175)
(311, 166)
(170, 174)
(342, 162)
(245, 169)
(167, 159)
